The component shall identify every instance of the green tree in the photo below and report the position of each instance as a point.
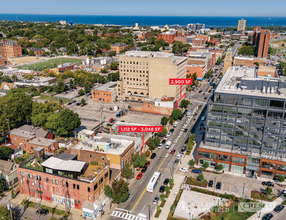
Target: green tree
(158, 208)
(185, 103)
(164, 120)
(81, 92)
(171, 120)
(82, 101)
(4, 213)
(256, 63)
(2, 186)
(162, 196)
(29, 77)
(206, 165)
(31, 53)
(103, 70)
(167, 189)
(139, 160)
(14, 77)
(163, 133)
(171, 181)
(12, 194)
(176, 113)
(113, 76)
(86, 89)
(107, 190)
(281, 178)
(120, 191)
(268, 190)
(151, 144)
(63, 123)
(192, 162)
(71, 83)
(219, 167)
(113, 65)
(201, 177)
(127, 171)
(246, 50)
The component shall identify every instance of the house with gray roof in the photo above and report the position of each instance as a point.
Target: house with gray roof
(8, 173)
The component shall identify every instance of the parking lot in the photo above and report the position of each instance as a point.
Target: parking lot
(91, 114)
(70, 94)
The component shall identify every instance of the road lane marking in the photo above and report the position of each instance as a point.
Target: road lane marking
(146, 186)
(143, 208)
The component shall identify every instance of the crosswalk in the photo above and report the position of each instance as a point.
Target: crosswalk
(124, 215)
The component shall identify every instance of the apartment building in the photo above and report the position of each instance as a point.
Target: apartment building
(3, 61)
(227, 60)
(260, 40)
(195, 27)
(105, 93)
(10, 48)
(146, 75)
(241, 25)
(63, 180)
(37, 51)
(200, 62)
(168, 36)
(118, 47)
(267, 71)
(246, 125)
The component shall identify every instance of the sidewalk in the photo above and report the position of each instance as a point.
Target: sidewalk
(178, 179)
(269, 206)
(76, 213)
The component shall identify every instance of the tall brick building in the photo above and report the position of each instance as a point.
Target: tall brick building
(260, 40)
(10, 48)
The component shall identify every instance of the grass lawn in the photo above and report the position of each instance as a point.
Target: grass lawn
(49, 63)
(55, 99)
(233, 214)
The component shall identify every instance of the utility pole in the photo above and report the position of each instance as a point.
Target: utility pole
(8, 122)
(149, 207)
(110, 198)
(243, 189)
(9, 206)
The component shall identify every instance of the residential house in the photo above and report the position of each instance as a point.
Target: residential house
(17, 151)
(8, 173)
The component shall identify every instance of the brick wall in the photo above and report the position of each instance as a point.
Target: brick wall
(140, 107)
(105, 96)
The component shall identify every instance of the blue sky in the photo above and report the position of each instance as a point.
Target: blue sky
(149, 8)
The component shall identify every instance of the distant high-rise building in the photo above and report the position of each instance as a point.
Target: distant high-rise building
(195, 27)
(260, 40)
(241, 25)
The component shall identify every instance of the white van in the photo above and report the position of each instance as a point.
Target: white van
(168, 144)
(203, 118)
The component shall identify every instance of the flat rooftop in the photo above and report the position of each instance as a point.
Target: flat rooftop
(244, 81)
(66, 165)
(92, 171)
(198, 54)
(163, 55)
(42, 141)
(106, 86)
(118, 143)
(21, 133)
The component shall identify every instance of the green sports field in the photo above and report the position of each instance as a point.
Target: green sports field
(41, 65)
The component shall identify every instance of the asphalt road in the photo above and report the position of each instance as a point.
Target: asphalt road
(139, 198)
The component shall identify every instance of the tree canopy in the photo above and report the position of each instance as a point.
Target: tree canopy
(177, 113)
(119, 191)
(246, 50)
(5, 152)
(139, 160)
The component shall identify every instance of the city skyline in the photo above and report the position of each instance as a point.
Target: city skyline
(158, 8)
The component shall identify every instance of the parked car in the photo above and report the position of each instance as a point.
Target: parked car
(73, 101)
(147, 164)
(267, 216)
(166, 181)
(139, 176)
(143, 170)
(69, 103)
(172, 151)
(179, 156)
(279, 208)
(111, 120)
(153, 156)
(185, 130)
(182, 151)
(268, 183)
(156, 199)
(160, 146)
(176, 161)
(205, 97)
(211, 182)
(218, 185)
(162, 189)
(163, 142)
(196, 171)
(42, 211)
(78, 103)
(184, 170)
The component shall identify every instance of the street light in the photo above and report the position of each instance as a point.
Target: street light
(149, 207)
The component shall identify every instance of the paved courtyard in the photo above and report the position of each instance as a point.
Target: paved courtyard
(193, 204)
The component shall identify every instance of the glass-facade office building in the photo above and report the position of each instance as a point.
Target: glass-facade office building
(246, 126)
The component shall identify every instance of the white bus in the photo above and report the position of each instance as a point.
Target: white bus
(153, 182)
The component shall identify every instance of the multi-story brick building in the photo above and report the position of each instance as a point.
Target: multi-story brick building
(10, 48)
(199, 70)
(64, 181)
(37, 51)
(246, 61)
(204, 60)
(260, 40)
(116, 150)
(105, 93)
(3, 61)
(146, 75)
(267, 71)
(48, 145)
(246, 125)
(168, 36)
